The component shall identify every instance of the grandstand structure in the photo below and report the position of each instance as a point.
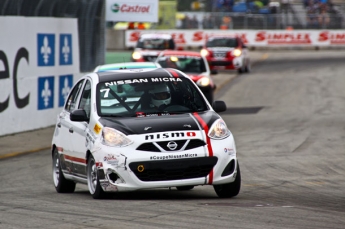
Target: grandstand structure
(248, 14)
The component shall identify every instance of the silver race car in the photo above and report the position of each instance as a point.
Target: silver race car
(133, 129)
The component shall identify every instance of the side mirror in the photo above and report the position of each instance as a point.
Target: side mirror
(214, 72)
(219, 106)
(79, 115)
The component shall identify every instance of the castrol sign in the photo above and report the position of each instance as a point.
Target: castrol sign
(132, 11)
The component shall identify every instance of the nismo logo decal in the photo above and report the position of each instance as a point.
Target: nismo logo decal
(169, 135)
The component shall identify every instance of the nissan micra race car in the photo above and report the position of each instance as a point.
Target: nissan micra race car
(226, 52)
(194, 65)
(135, 129)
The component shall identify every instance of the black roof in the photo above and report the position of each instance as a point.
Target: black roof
(138, 73)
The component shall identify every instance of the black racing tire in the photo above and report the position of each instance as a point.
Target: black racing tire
(62, 185)
(93, 183)
(231, 189)
(185, 188)
(248, 67)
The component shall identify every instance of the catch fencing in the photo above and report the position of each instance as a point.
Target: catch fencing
(91, 23)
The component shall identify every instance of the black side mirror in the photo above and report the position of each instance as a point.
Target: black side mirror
(79, 115)
(219, 106)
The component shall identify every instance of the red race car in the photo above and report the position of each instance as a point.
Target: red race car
(149, 47)
(194, 65)
(226, 52)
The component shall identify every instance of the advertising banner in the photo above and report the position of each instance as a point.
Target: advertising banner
(132, 11)
(39, 62)
(263, 38)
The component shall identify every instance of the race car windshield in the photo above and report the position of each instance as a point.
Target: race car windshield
(183, 63)
(222, 42)
(155, 44)
(144, 96)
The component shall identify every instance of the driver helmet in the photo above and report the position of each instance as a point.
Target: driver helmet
(160, 95)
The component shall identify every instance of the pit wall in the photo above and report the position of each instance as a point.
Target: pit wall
(193, 39)
(39, 63)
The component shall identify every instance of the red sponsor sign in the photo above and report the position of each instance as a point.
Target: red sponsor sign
(332, 37)
(283, 38)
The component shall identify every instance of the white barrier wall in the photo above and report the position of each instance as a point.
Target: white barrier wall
(253, 38)
(39, 63)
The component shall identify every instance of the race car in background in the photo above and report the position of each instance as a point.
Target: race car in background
(226, 52)
(194, 65)
(149, 46)
(135, 129)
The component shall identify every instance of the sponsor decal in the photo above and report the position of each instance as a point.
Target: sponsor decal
(127, 8)
(169, 135)
(109, 187)
(111, 159)
(283, 38)
(143, 114)
(174, 156)
(97, 128)
(332, 37)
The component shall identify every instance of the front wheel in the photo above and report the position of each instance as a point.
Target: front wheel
(231, 189)
(62, 185)
(93, 183)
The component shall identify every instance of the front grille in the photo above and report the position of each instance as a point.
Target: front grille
(221, 63)
(181, 145)
(219, 54)
(150, 58)
(177, 169)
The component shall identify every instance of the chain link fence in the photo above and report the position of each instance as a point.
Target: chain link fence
(91, 23)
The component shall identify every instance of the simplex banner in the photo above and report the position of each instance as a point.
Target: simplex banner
(39, 63)
(132, 11)
(255, 38)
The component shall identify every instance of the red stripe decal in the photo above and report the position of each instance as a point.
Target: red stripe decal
(75, 159)
(208, 140)
(60, 149)
(175, 74)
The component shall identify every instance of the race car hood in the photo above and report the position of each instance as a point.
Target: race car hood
(152, 124)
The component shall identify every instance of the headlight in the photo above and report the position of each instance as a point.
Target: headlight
(112, 137)
(136, 55)
(237, 52)
(204, 52)
(204, 81)
(219, 130)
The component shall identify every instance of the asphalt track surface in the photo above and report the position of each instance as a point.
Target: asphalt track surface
(288, 120)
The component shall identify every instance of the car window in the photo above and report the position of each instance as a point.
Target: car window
(154, 96)
(156, 44)
(192, 64)
(72, 99)
(222, 42)
(85, 100)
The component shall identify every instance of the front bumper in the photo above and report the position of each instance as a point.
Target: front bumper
(226, 63)
(136, 170)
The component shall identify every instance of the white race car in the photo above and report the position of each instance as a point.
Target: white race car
(134, 129)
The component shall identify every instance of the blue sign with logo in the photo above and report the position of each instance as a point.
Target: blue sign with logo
(45, 49)
(65, 85)
(65, 49)
(45, 92)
